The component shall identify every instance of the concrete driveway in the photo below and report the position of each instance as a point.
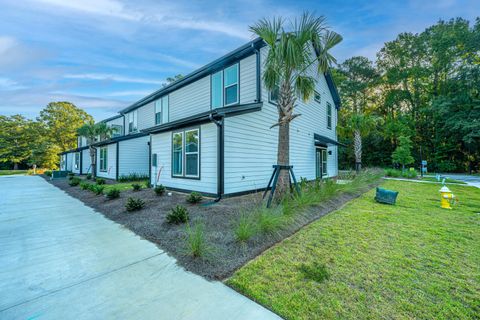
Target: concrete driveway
(61, 260)
(468, 179)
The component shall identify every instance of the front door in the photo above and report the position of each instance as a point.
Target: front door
(320, 162)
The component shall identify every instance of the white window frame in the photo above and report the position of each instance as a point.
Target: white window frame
(324, 162)
(162, 107)
(102, 163)
(178, 175)
(237, 83)
(117, 130)
(184, 154)
(192, 153)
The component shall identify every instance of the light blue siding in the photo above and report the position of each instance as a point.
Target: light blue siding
(111, 162)
(133, 156)
(190, 100)
(248, 79)
(86, 162)
(162, 146)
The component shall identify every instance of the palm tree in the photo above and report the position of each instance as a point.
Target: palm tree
(288, 69)
(91, 131)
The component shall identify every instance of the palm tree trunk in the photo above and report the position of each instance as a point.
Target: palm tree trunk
(357, 146)
(93, 161)
(283, 159)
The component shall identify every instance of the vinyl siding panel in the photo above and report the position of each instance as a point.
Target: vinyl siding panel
(162, 146)
(86, 162)
(248, 79)
(111, 162)
(133, 156)
(117, 121)
(189, 100)
(146, 116)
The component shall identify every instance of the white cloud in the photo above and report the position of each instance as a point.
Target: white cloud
(112, 77)
(9, 84)
(127, 93)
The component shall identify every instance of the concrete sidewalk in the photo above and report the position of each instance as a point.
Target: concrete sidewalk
(61, 260)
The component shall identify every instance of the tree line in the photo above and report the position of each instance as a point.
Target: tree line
(419, 100)
(25, 142)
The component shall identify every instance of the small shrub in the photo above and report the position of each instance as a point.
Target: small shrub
(113, 193)
(48, 173)
(136, 187)
(74, 181)
(409, 174)
(97, 189)
(393, 173)
(147, 184)
(196, 242)
(134, 204)
(316, 272)
(89, 176)
(178, 215)
(194, 197)
(84, 185)
(245, 228)
(100, 181)
(71, 174)
(159, 190)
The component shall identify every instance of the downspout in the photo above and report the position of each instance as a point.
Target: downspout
(150, 159)
(259, 84)
(220, 156)
(117, 160)
(81, 161)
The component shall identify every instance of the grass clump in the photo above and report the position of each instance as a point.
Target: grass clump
(178, 215)
(113, 193)
(136, 187)
(100, 180)
(84, 185)
(134, 204)
(194, 197)
(159, 190)
(245, 228)
(394, 173)
(89, 176)
(97, 189)
(147, 184)
(196, 241)
(75, 181)
(269, 220)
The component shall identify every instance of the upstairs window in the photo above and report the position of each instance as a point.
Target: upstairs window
(117, 130)
(132, 122)
(224, 87)
(273, 95)
(161, 110)
(329, 115)
(317, 97)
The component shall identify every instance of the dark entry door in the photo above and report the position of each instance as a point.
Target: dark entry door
(320, 162)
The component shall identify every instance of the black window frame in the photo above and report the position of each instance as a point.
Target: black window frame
(329, 115)
(315, 94)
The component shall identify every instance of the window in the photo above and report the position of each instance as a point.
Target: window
(317, 97)
(186, 154)
(329, 115)
(117, 130)
(177, 154)
(79, 142)
(217, 91)
(103, 159)
(191, 153)
(273, 95)
(224, 87)
(161, 110)
(324, 162)
(77, 160)
(132, 121)
(231, 85)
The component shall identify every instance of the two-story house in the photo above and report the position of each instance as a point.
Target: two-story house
(211, 131)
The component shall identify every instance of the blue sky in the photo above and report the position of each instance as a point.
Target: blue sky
(102, 55)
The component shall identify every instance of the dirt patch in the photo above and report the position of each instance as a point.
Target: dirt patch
(226, 254)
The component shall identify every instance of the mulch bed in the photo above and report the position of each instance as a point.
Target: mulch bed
(226, 254)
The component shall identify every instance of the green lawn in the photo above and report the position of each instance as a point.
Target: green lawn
(367, 260)
(122, 186)
(10, 172)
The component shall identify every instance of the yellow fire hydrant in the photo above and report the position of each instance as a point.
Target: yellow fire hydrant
(446, 197)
